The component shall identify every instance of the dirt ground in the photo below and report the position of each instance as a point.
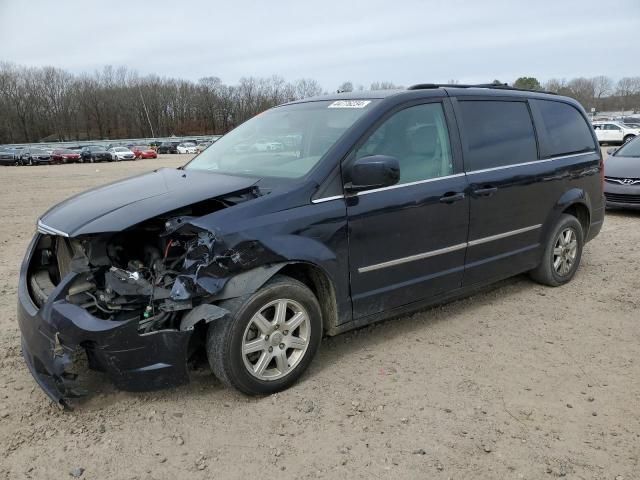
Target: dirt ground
(519, 382)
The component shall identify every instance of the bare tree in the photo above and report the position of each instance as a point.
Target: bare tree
(307, 87)
(345, 87)
(628, 91)
(384, 86)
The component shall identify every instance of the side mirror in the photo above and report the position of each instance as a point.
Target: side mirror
(375, 171)
(611, 151)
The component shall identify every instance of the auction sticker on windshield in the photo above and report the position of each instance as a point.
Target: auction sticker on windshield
(349, 104)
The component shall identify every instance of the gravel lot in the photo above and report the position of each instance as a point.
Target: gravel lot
(521, 381)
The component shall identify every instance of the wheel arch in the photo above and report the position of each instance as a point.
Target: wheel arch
(574, 202)
(312, 275)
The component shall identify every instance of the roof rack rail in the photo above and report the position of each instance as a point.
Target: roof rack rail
(497, 86)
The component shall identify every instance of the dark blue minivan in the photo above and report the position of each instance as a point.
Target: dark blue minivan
(310, 219)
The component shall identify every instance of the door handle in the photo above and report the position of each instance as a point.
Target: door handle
(485, 192)
(451, 197)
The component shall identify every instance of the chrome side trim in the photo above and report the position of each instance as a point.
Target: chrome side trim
(545, 160)
(499, 236)
(412, 258)
(442, 251)
(401, 185)
(327, 199)
(47, 230)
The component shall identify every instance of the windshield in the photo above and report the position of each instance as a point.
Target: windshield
(285, 142)
(629, 149)
(120, 149)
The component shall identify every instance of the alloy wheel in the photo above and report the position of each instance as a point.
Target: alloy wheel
(565, 252)
(276, 339)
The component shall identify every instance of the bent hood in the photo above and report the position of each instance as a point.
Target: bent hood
(122, 204)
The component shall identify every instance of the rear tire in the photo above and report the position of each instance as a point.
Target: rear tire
(269, 338)
(562, 253)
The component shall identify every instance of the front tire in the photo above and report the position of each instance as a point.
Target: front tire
(562, 253)
(628, 138)
(269, 338)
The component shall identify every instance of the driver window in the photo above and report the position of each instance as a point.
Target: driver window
(418, 137)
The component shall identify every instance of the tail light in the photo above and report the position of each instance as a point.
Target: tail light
(601, 173)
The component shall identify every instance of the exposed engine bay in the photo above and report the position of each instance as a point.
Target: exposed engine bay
(154, 272)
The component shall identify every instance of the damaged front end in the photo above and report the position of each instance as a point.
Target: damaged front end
(130, 300)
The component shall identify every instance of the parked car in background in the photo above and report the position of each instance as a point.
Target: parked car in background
(622, 176)
(34, 156)
(630, 121)
(187, 147)
(65, 155)
(392, 201)
(140, 151)
(202, 146)
(95, 153)
(268, 146)
(168, 147)
(10, 156)
(614, 132)
(122, 153)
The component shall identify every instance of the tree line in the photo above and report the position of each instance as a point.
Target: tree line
(51, 104)
(600, 92)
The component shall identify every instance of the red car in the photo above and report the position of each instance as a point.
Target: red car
(64, 155)
(144, 152)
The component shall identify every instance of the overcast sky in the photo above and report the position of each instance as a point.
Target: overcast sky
(403, 41)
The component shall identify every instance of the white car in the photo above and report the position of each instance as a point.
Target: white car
(122, 153)
(614, 132)
(187, 147)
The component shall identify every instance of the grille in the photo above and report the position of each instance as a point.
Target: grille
(619, 198)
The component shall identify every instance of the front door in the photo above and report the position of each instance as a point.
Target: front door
(407, 242)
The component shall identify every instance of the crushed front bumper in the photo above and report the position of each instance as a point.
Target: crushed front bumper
(53, 336)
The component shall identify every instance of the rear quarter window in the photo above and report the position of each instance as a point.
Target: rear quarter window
(497, 134)
(566, 129)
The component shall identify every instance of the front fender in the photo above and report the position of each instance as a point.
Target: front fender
(291, 249)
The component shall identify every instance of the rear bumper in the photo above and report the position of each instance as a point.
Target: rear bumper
(597, 220)
(54, 336)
